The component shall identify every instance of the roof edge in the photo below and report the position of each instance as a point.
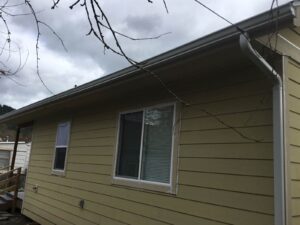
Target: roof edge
(255, 25)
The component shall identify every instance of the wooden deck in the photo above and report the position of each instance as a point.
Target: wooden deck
(10, 198)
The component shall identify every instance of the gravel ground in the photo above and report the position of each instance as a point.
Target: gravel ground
(14, 219)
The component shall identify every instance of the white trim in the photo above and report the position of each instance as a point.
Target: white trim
(58, 171)
(176, 150)
(141, 146)
(289, 42)
(172, 145)
(145, 185)
(115, 155)
(138, 182)
(143, 181)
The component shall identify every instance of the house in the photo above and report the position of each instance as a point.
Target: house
(210, 136)
(22, 156)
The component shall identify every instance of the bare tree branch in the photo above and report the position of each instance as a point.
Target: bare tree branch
(11, 6)
(16, 14)
(55, 3)
(37, 45)
(38, 22)
(16, 82)
(8, 34)
(101, 28)
(136, 38)
(55, 34)
(231, 127)
(165, 4)
(166, 7)
(95, 5)
(74, 4)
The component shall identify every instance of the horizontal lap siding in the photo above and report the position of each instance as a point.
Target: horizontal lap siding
(225, 163)
(292, 70)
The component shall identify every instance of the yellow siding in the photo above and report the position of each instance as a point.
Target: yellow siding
(225, 169)
(292, 72)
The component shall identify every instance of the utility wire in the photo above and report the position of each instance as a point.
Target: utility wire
(276, 22)
(273, 3)
(222, 17)
(236, 26)
(247, 38)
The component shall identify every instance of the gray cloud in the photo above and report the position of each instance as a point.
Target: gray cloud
(85, 60)
(143, 24)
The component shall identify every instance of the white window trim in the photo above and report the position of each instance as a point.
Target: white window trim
(57, 171)
(151, 185)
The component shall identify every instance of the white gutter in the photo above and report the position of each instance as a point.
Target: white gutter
(278, 129)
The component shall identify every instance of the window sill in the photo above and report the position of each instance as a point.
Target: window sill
(60, 173)
(144, 185)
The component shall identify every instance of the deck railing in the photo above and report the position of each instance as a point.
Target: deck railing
(9, 182)
(4, 169)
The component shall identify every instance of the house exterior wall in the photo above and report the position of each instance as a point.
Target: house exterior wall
(225, 161)
(292, 80)
(287, 43)
(4, 158)
(22, 156)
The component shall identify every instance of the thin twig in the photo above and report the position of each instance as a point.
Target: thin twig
(14, 5)
(54, 33)
(231, 127)
(20, 65)
(8, 34)
(74, 4)
(131, 61)
(16, 82)
(4, 5)
(17, 14)
(55, 3)
(37, 45)
(3, 47)
(166, 7)
(135, 38)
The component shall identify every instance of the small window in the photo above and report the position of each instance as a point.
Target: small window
(61, 146)
(145, 145)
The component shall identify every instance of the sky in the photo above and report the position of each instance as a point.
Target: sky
(84, 58)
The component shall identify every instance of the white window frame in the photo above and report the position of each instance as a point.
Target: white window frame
(58, 171)
(144, 184)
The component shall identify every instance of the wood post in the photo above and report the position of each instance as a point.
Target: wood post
(15, 197)
(15, 148)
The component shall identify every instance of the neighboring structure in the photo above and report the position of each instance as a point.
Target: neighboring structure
(22, 156)
(196, 146)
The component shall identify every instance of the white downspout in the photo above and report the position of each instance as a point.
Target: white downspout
(278, 129)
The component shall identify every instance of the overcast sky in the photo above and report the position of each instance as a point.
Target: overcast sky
(85, 59)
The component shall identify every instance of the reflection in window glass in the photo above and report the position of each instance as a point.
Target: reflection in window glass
(129, 144)
(157, 144)
(150, 133)
(61, 146)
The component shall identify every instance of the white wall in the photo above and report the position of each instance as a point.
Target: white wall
(23, 152)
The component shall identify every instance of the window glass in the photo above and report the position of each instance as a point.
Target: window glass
(62, 134)
(61, 146)
(129, 144)
(157, 144)
(150, 133)
(60, 156)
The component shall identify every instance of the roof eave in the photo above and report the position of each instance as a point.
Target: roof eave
(255, 26)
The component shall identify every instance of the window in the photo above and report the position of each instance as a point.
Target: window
(145, 145)
(61, 146)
